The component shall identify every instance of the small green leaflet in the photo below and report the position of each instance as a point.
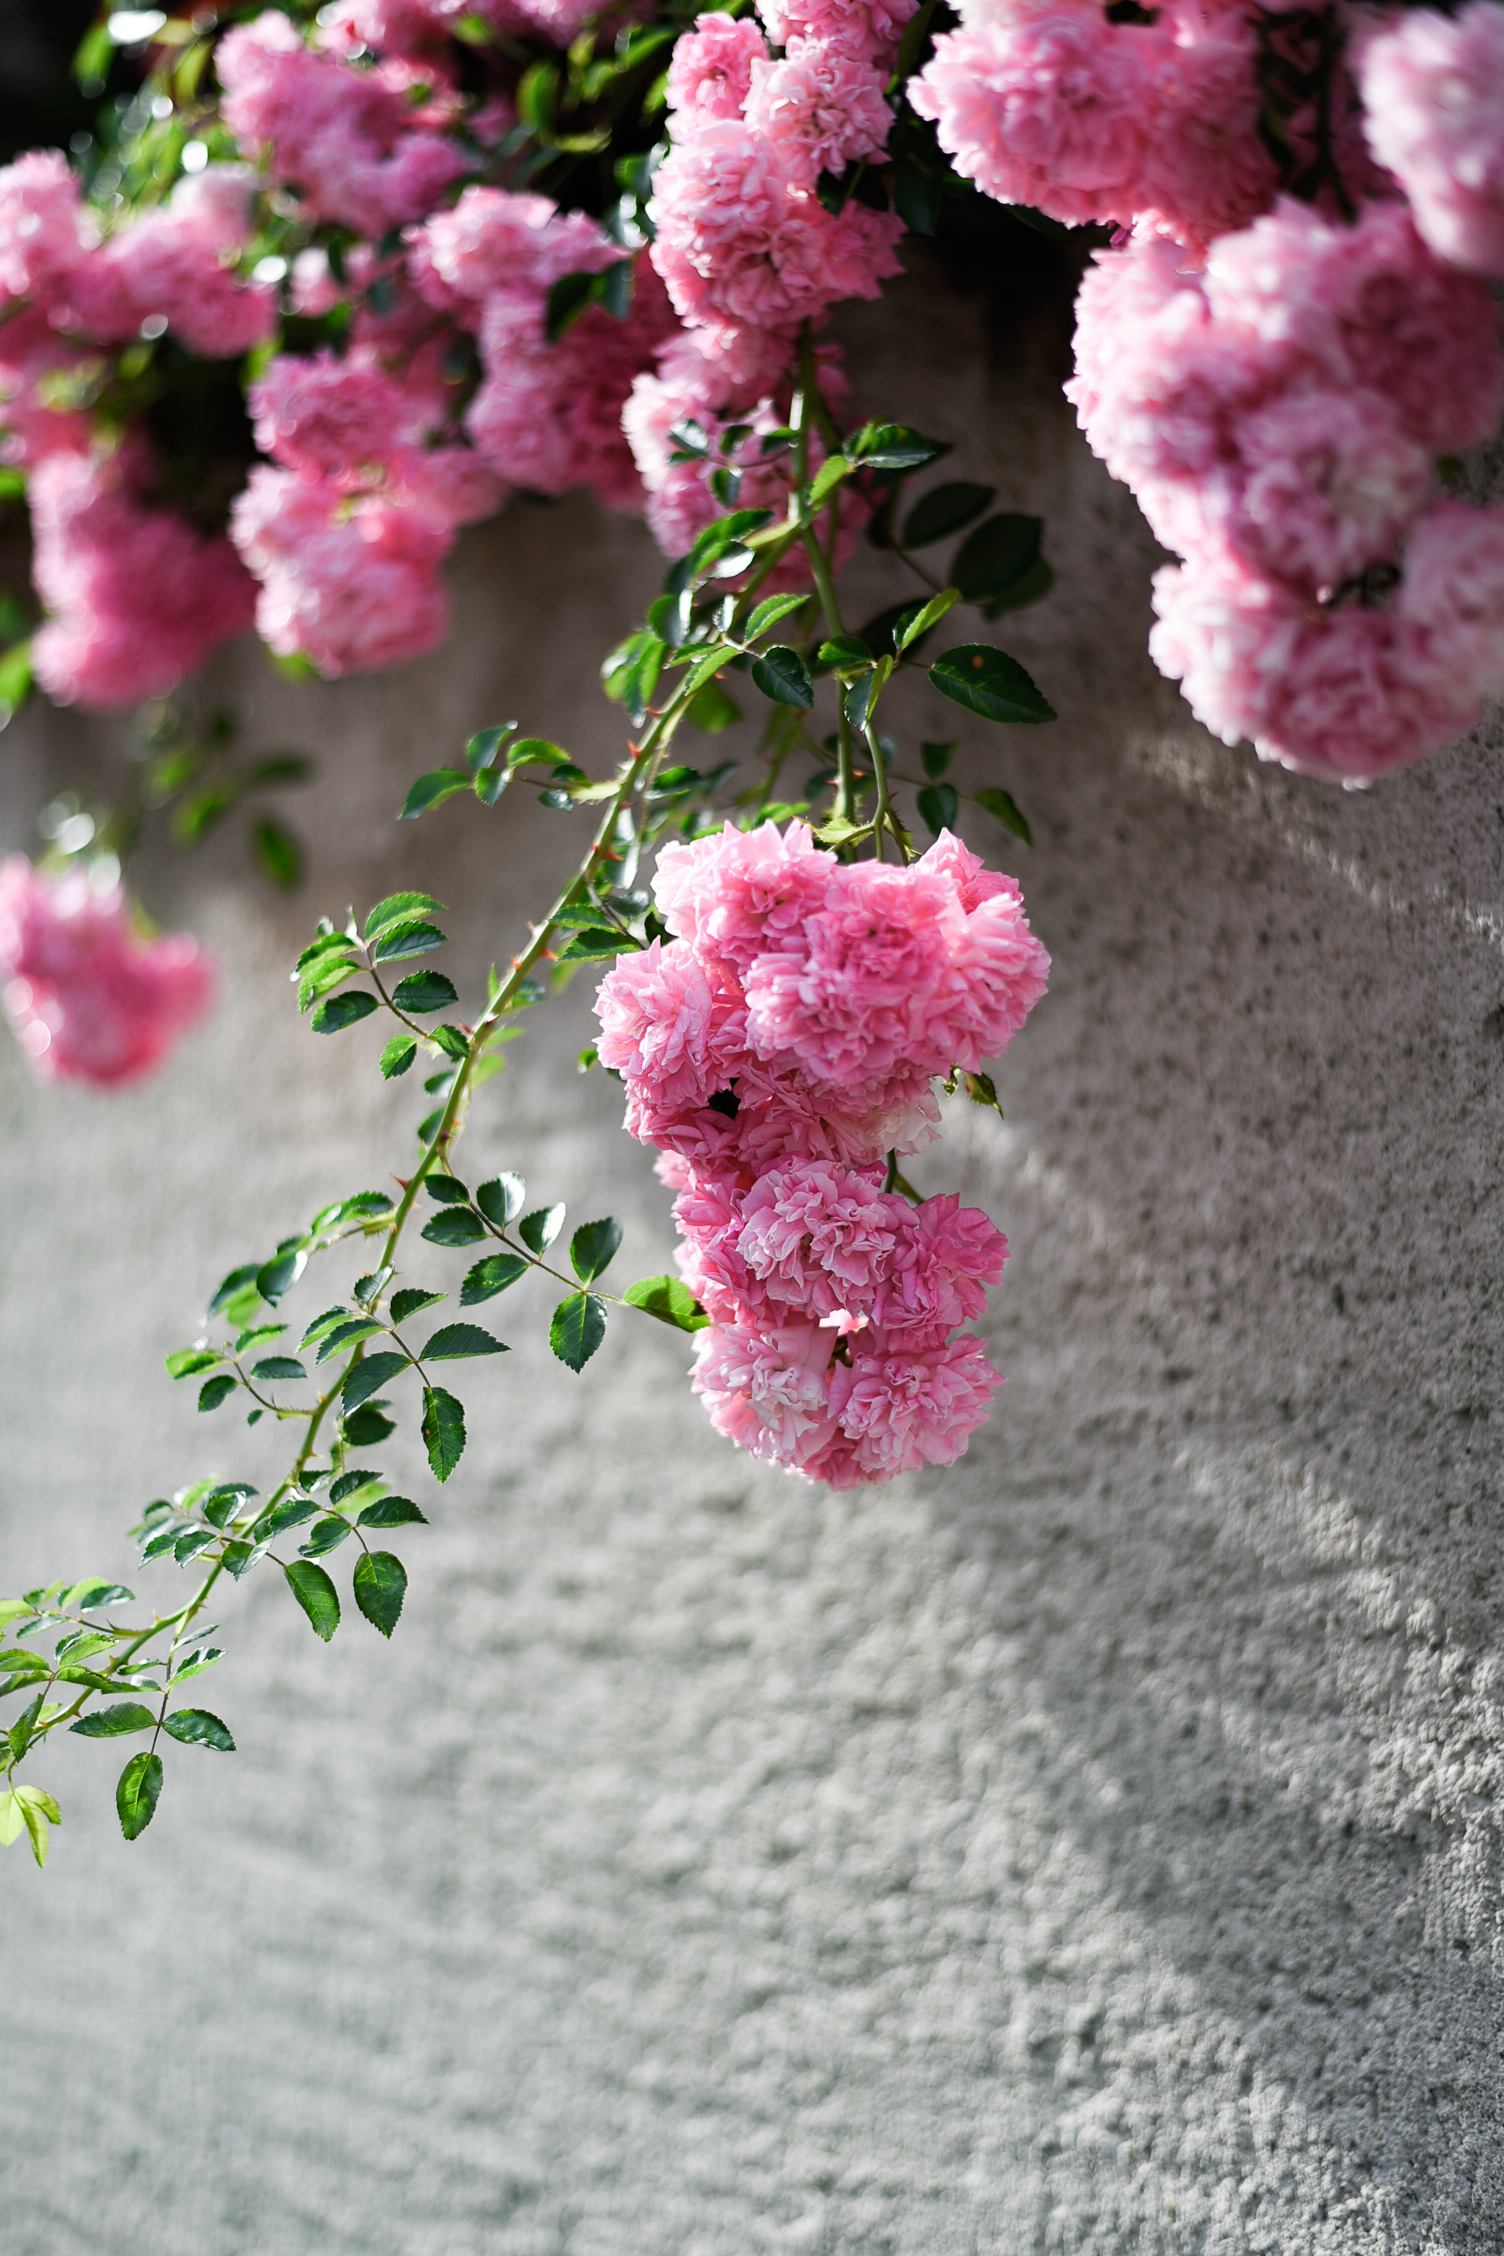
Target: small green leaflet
(112, 1723)
(997, 556)
(423, 991)
(593, 1248)
(944, 510)
(989, 682)
(366, 1377)
(85, 1597)
(195, 1727)
(347, 1335)
(380, 1586)
(577, 1329)
(289, 1515)
(452, 1341)
(278, 1367)
(893, 446)
(595, 945)
(489, 1277)
(316, 1595)
(397, 906)
(454, 1226)
(281, 1273)
(432, 790)
(33, 1808)
(214, 1391)
(1000, 803)
(448, 1190)
(826, 479)
(336, 1012)
(187, 1362)
(781, 674)
(401, 940)
(769, 613)
(670, 1300)
(443, 1431)
(407, 1303)
(391, 1511)
(500, 1200)
(137, 1794)
(928, 616)
(325, 1535)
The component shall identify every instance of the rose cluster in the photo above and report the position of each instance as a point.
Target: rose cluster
(1281, 382)
(89, 998)
(776, 1051)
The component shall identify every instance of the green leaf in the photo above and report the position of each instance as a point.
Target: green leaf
(893, 446)
(425, 991)
(398, 906)
(137, 1794)
(281, 1273)
(770, 612)
(346, 1335)
(490, 784)
(826, 479)
(1035, 584)
(454, 1226)
(278, 1367)
(593, 1248)
(446, 1189)
(577, 1329)
(481, 751)
(500, 1200)
(944, 510)
(670, 1300)
(326, 1534)
(781, 674)
(443, 1431)
(215, 1391)
(882, 633)
(939, 806)
(537, 752)
(492, 1276)
(195, 1727)
(913, 630)
(364, 1378)
(364, 1206)
(407, 1303)
(452, 1341)
(323, 977)
(239, 1557)
(397, 1056)
(997, 555)
(316, 1595)
(292, 1514)
(337, 1012)
(34, 1819)
(844, 654)
(88, 1597)
(224, 1501)
(981, 1089)
(401, 940)
(187, 1362)
(380, 1587)
(12, 1818)
(595, 945)
(366, 1427)
(989, 682)
(113, 1723)
(392, 1511)
(432, 790)
(539, 1229)
(1000, 803)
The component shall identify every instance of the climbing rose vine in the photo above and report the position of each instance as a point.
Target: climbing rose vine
(325, 287)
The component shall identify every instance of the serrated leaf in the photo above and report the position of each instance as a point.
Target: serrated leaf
(539, 1229)
(452, 1341)
(595, 945)
(240, 1557)
(195, 1727)
(454, 1226)
(938, 806)
(12, 1818)
(321, 978)
(483, 747)
(292, 1514)
(278, 1367)
(336, 1012)
(188, 1546)
(987, 681)
(446, 1190)
(397, 1056)
(91, 1596)
(577, 1329)
(225, 1500)
(769, 613)
(137, 1794)
(981, 1089)
(670, 1300)
(411, 1298)
(893, 446)
(215, 1391)
(929, 615)
(316, 1595)
(397, 906)
(366, 1377)
(781, 674)
(115, 1722)
(1000, 803)
(380, 1587)
(826, 480)
(281, 1273)
(400, 940)
(492, 1276)
(391, 1511)
(366, 1427)
(593, 1248)
(187, 1362)
(844, 654)
(346, 1335)
(326, 1534)
(432, 790)
(944, 510)
(423, 991)
(500, 1200)
(997, 556)
(443, 1431)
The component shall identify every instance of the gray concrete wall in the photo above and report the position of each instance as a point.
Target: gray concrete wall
(1093, 1849)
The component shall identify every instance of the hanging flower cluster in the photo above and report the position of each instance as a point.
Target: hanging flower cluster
(1280, 381)
(89, 997)
(780, 1052)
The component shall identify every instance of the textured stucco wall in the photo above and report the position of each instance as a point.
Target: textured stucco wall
(1095, 1849)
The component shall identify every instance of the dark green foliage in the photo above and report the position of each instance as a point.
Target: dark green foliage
(443, 1431)
(113, 1723)
(454, 1226)
(1000, 803)
(365, 1378)
(326, 1534)
(539, 1229)
(997, 556)
(939, 806)
(366, 1427)
(401, 940)
(214, 1391)
(399, 906)
(432, 790)
(195, 1727)
(989, 682)
(500, 1200)
(336, 1012)
(577, 1329)
(391, 1511)
(781, 674)
(942, 511)
(407, 1303)
(593, 1248)
(424, 991)
(137, 1794)
(316, 1595)
(452, 1341)
(380, 1587)
(489, 1277)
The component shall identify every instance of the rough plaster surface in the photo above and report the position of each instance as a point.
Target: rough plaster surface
(1095, 1849)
